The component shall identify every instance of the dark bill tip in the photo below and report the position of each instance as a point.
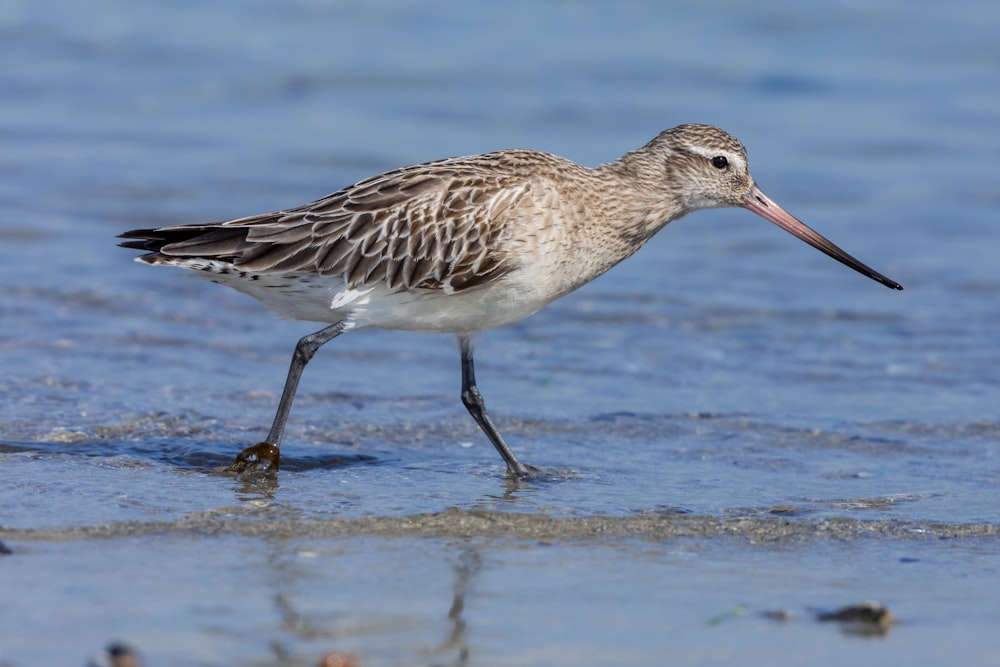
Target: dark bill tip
(759, 203)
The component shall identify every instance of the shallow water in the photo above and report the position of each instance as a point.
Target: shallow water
(730, 422)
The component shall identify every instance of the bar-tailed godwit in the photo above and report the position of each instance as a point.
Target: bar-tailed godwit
(463, 244)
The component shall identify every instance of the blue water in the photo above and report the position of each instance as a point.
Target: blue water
(725, 369)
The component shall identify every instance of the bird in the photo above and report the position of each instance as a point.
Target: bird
(463, 244)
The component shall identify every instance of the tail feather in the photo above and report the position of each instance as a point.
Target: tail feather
(211, 242)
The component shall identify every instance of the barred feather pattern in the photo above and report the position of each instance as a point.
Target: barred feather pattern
(436, 226)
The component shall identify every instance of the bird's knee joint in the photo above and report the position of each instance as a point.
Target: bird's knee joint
(472, 399)
(305, 349)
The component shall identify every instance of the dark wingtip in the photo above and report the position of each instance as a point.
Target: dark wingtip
(137, 234)
(141, 239)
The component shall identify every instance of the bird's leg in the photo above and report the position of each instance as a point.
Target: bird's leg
(476, 406)
(265, 456)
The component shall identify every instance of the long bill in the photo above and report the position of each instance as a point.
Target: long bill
(766, 208)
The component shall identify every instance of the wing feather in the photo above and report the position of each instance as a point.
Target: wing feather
(434, 226)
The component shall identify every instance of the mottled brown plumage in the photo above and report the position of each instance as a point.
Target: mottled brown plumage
(464, 244)
(416, 227)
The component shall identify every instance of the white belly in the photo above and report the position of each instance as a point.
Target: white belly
(311, 297)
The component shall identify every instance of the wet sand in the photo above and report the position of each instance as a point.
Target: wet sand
(769, 528)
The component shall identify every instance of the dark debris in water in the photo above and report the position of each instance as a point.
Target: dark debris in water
(116, 654)
(867, 618)
(867, 612)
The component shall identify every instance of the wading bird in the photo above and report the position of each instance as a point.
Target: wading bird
(463, 244)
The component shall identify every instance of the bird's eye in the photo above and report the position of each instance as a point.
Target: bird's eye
(720, 162)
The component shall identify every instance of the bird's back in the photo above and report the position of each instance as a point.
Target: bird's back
(441, 228)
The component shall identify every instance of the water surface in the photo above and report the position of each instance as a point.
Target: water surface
(732, 423)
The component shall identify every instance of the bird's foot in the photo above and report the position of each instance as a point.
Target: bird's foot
(533, 476)
(260, 459)
(522, 471)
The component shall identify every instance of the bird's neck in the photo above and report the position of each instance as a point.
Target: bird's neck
(604, 215)
(640, 199)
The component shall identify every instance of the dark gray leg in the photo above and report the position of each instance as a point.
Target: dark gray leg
(265, 456)
(474, 403)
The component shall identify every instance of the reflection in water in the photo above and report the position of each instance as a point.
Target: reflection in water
(520, 491)
(249, 490)
(453, 650)
(468, 566)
